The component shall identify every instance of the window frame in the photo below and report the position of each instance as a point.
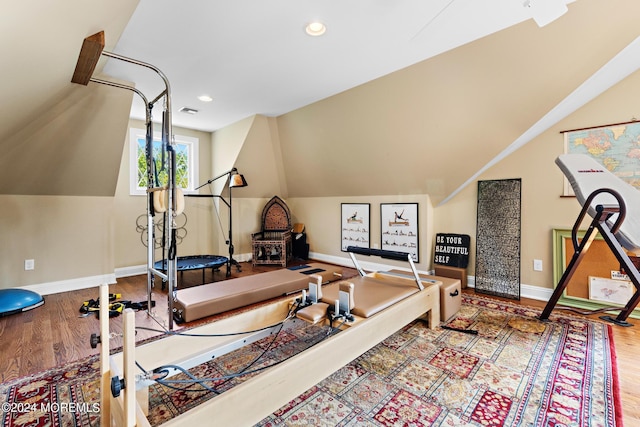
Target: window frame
(136, 134)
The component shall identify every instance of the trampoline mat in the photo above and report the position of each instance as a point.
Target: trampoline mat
(194, 262)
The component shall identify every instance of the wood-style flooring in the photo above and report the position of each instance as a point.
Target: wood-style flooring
(55, 333)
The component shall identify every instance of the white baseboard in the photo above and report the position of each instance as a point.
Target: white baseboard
(526, 291)
(134, 270)
(535, 292)
(71, 284)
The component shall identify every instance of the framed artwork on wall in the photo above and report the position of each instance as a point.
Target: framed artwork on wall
(354, 222)
(399, 228)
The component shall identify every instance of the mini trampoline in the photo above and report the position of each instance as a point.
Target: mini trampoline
(194, 262)
(14, 301)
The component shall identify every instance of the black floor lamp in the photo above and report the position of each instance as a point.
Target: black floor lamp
(235, 180)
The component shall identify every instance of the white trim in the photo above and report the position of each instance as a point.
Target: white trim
(71, 284)
(526, 291)
(535, 292)
(133, 270)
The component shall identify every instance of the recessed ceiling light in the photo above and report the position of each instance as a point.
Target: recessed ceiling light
(188, 110)
(205, 98)
(315, 28)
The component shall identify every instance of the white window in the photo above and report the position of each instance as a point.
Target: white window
(186, 151)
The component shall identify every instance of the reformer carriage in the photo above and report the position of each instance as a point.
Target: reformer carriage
(361, 312)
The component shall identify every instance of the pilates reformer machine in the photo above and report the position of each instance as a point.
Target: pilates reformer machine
(358, 313)
(607, 200)
(168, 199)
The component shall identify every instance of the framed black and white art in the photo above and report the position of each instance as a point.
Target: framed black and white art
(354, 221)
(399, 228)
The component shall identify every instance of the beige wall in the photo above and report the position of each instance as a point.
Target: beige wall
(81, 237)
(426, 129)
(73, 148)
(74, 237)
(339, 150)
(252, 146)
(321, 216)
(68, 238)
(542, 207)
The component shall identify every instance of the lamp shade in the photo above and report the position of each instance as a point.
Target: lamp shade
(237, 180)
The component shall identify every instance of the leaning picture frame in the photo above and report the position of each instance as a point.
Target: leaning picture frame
(598, 267)
(399, 228)
(355, 225)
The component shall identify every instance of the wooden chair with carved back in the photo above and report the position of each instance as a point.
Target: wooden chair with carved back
(272, 244)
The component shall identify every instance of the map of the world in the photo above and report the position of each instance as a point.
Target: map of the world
(616, 147)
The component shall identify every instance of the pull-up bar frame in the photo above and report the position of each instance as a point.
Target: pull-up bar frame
(90, 53)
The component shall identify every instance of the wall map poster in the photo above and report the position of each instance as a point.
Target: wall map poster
(613, 146)
(399, 228)
(355, 225)
(498, 238)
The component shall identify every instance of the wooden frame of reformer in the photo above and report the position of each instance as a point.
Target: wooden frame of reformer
(272, 388)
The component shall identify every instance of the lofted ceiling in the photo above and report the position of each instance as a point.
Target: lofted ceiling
(254, 57)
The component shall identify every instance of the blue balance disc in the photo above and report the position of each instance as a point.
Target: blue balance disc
(18, 300)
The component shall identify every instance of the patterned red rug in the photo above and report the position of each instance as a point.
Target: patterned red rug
(516, 371)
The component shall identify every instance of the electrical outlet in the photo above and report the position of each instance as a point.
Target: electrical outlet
(29, 264)
(537, 265)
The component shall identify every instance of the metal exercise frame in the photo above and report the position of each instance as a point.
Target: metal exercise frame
(599, 223)
(91, 51)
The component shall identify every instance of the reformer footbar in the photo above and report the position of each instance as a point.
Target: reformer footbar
(585, 174)
(395, 255)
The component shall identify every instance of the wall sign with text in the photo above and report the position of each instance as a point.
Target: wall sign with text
(452, 250)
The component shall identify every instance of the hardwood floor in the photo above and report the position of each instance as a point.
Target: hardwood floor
(55, 333)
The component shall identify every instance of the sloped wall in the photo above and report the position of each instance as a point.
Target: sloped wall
(427, 128)
(252, 146)
(543, 208)
(73, 149)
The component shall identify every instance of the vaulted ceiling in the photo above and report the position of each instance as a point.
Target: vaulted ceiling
(253, 57)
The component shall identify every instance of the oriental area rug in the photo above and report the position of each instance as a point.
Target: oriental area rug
(514, 371)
